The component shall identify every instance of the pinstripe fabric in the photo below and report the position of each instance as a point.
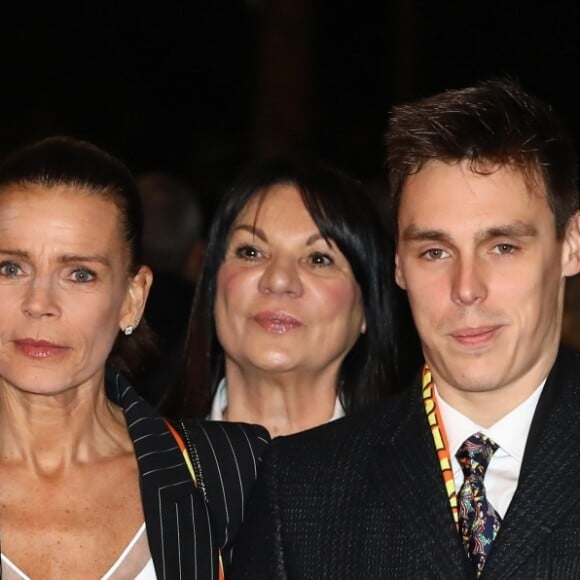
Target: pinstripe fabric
(232, 478)
(183, 533)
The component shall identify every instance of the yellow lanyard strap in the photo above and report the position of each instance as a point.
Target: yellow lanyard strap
(440, 440)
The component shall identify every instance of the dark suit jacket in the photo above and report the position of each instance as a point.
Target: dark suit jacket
(183, 530)
(363, 498)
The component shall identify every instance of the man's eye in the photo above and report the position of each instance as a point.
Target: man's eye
(435, 254)
(504, 249)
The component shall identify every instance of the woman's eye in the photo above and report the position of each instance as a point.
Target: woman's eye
(9, 269)
(83, 275)
(248, 252)
(321, 259)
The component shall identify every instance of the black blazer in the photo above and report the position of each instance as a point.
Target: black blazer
(363, 498)
(183, 530)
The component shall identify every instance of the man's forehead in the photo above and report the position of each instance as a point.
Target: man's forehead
(531, 174)
(441, 179)
(451, 198)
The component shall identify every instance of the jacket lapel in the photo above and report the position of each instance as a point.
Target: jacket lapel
(550, 479)
(176, 516)
(409, 477)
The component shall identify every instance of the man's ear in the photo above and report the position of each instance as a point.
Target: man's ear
(137, 293)
(399, 278)
(571, 247)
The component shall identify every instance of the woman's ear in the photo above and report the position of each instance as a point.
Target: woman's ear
(137, 292)
(571, 247)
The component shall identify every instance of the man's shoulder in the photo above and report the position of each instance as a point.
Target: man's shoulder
(563, 380)
(373, 424)
(568, 360)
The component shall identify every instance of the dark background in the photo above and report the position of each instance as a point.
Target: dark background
(201, 88)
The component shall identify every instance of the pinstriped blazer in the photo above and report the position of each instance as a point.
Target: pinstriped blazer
(185, 531)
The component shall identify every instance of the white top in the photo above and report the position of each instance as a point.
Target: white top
(135, 562)
(510, 433)
(220, 404)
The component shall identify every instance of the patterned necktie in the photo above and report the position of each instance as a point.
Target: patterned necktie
(478, 521)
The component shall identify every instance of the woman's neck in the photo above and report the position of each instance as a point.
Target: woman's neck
(51, 432)
(283, 404)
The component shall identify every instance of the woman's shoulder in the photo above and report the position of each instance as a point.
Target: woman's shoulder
(228, 457)
(225, 438)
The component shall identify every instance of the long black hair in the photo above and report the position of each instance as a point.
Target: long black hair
(344, 214)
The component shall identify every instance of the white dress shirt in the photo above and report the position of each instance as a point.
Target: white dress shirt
(510, 433)
(220, 404)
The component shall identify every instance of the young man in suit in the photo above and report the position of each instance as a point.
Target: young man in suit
(474, 470)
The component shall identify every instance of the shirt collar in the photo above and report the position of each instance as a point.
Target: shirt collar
(220, 402)
(510, 432)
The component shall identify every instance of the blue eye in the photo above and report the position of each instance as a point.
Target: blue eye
(83, 275)
(9, 269)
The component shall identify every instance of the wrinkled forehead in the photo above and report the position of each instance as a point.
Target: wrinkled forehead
(77, 203)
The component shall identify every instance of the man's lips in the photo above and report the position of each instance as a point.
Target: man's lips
(39, 348)
(276, 322)
(478, 336)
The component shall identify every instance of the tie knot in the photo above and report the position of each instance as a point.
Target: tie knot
(475, 453)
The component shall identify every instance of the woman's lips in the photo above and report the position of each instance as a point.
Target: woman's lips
(276, 322)
(479, 336)
(39, 348)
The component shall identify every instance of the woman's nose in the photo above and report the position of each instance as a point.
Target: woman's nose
(40, 299)
(281, 276)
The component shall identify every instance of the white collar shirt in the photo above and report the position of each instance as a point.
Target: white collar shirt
(510, 433)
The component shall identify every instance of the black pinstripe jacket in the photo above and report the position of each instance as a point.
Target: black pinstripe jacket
(183, 530)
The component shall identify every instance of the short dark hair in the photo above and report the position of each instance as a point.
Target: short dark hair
(492, 123)
(343, 213)
(64, 161)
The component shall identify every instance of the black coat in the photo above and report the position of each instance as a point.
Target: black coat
(184, 531)
(363, 498)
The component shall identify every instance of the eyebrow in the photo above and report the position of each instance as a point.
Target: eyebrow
(66, 259)
(95, 259)
(15, 253)
(259, 233)
(516, 229)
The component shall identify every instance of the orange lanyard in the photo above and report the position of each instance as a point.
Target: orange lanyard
(440, 440)
(189, 465)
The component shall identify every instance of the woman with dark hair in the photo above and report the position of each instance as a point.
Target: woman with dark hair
(94, 483)
(292, 324)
